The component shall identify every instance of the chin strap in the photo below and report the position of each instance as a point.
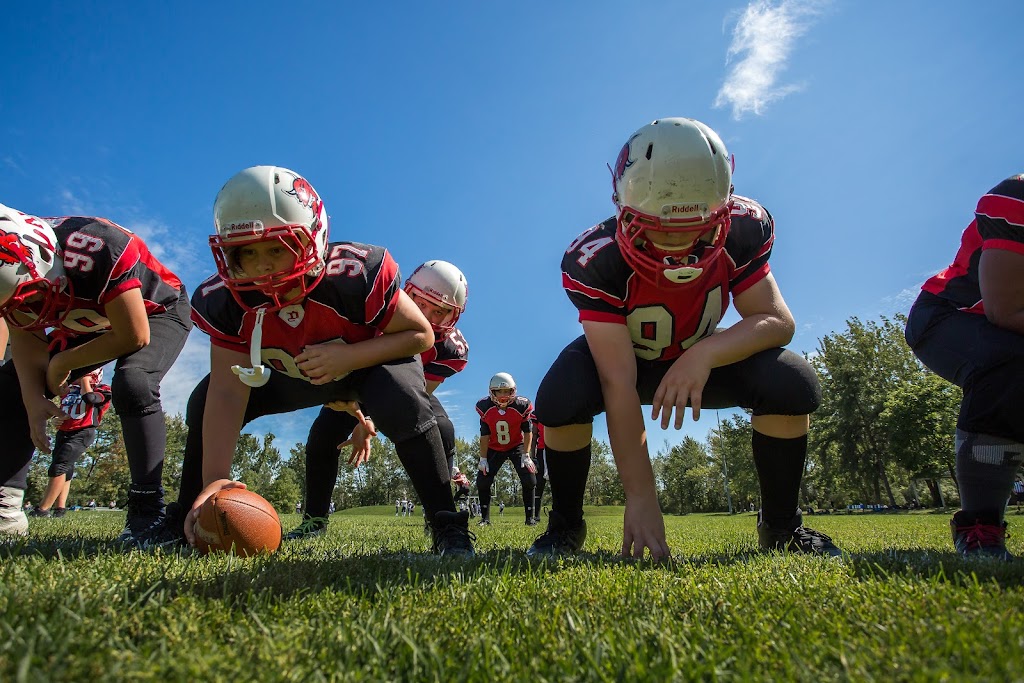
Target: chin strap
(258, 374)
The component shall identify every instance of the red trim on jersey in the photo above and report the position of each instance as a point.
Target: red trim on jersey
(1008, 209)
(455, 365)
(216, 336)
(572, 285)
(1006, 245)
(599, 317)
(751, 280)
(125, 286)
(376, 299)
(131, 255)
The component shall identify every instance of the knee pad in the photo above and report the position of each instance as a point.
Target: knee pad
(135, 392)
(59, 468)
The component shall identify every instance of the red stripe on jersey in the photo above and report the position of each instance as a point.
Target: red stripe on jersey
(970, 242)
(1007, 245)
(599, 317)
(216, 336)
(128, 258)
(572, 285)
(125, 286)
(1006, 208)
(454, 364)
(751, 280)
(376, 301)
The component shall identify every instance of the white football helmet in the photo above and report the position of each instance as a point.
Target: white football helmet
(443, 284)
(672, 176)
(31, 264)
(502, 380)
(264, 203)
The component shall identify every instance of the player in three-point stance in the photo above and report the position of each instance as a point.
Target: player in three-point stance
(651, 285)
(505, 434)
(78, 292)
(967, 326)
(440, 291)
(296, 322)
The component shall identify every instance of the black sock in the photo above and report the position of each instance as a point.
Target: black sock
(567, 477)
(424, 462)
(780, 467)
(145, 438)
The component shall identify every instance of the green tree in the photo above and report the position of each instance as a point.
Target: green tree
(729, 448)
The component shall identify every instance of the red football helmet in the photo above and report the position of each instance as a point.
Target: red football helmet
(672, 185)
(32, 279)
(270, 203)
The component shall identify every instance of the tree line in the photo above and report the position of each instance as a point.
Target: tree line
(882, 436)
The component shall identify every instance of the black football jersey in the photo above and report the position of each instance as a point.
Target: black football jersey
(446, 357)
(353, 302)
(664, 322)
(998, 224)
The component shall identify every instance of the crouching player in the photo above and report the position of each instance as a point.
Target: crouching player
(296, 322)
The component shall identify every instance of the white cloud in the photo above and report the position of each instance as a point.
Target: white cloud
(761, 44)
(192, 365)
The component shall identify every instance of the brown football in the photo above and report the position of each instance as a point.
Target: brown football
(238, 521)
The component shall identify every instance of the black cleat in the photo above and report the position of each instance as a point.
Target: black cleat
(484, 522)
(59, 512)
(310, 526)
(532, 521)
(977, 536)
(795, 538)
(561, 537)
(451, 534)
(38, 512)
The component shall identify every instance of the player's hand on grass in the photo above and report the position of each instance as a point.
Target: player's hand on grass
(643, 529)
(324, 363)
(40, 411)
(193, 515)
(360, 440)
(684, 382)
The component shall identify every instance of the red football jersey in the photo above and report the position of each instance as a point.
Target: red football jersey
(538, 432)
(83, 414)
(101, 261)
(446, 357)
(504, 426)
(998, 224)
(663, 323)
(352, 303)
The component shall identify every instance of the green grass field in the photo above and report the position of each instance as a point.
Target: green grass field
(367, 602)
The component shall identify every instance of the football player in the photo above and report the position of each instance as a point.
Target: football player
(86, 402)
(295, 322)
(440, 291)
(967, 326)
(78, 292)
(651, 285)
(540, 462)
(505, 434)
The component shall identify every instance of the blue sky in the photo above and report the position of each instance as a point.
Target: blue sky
(479, 132)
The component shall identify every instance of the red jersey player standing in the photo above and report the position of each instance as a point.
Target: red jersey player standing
(651, 285)
(440, 291)
(297, 322)
(86, 403)
(77, 293)
(967, 325)
(505, 434)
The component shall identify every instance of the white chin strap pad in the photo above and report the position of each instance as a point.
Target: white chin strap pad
(258, 374)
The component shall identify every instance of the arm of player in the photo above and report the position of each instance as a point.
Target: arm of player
(407, 334)
(226, 400)
(643, 524)
(129, 332)
(4, 338)
(766, 324)
(30, 357)
(1002, 288)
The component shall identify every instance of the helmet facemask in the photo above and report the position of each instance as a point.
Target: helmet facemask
(669, 267)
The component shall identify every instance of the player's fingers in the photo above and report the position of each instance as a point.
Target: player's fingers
(695, 399)
(627, 544)
(656, 403)
(190, 522)
(666, 409)
(345, 443)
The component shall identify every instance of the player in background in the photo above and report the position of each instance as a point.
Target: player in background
(296, 322)
(86, 402)
(651, 285)
(967, 326)
(461, 483)
(505, 434)
(540, 462)
(440, 291)
(78, 292)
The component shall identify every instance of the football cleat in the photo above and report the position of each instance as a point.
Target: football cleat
(13, 521)
(795, 538)
(484, 522)
(561, 537)
(59, 512)
(977, 536)
(310, 526)
(39, 512)
(451, 534)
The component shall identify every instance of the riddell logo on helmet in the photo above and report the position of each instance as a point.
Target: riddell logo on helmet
(687, 209)
(255, 227)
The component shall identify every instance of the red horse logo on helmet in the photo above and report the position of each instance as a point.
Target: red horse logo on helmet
(12, 250)
(622, 162)
(304, 192)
